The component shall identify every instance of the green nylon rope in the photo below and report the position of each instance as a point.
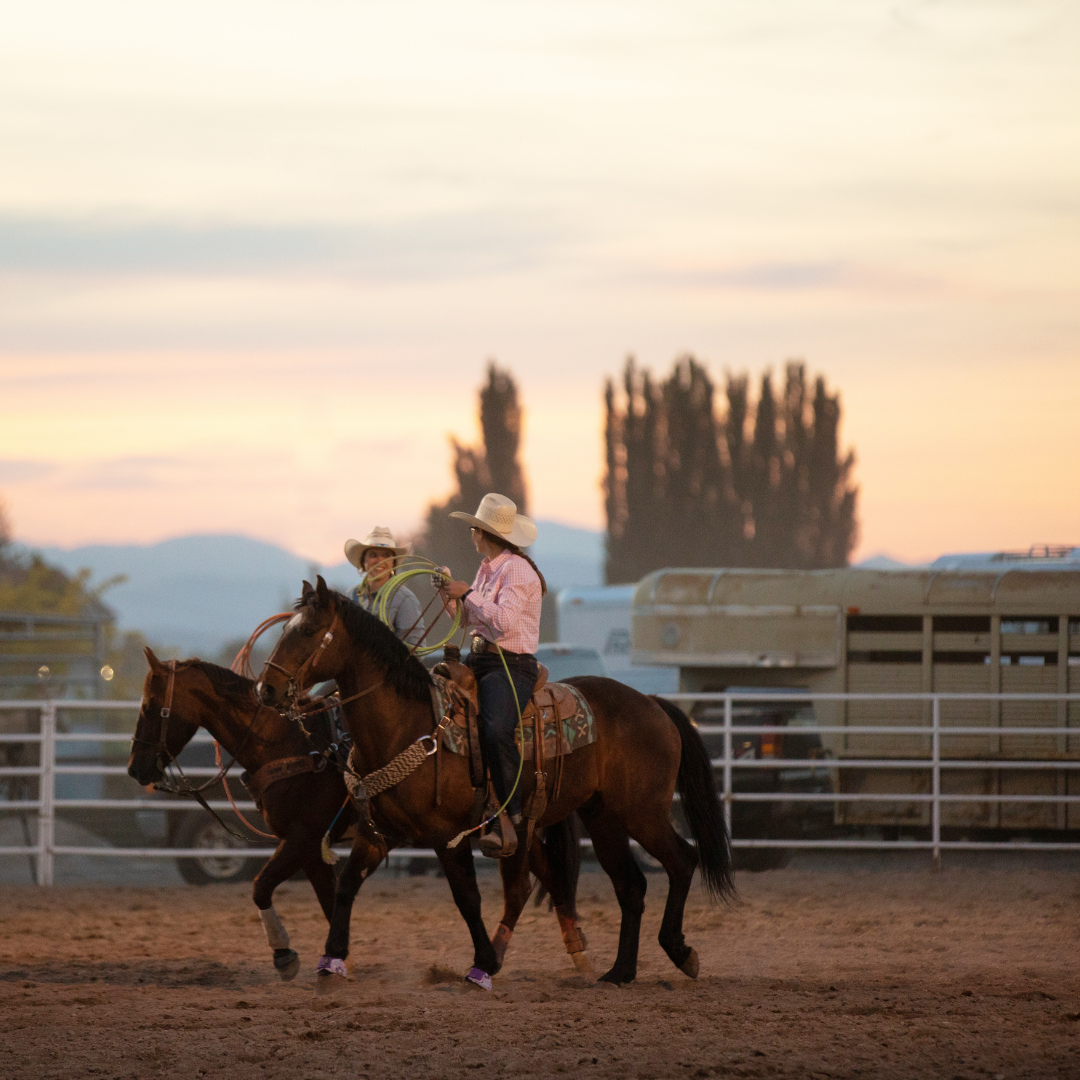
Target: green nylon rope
(386, 593)
(382, 610)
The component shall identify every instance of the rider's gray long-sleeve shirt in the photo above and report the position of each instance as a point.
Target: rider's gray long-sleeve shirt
(405, 613)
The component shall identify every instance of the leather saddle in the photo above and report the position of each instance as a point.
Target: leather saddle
(550, 703)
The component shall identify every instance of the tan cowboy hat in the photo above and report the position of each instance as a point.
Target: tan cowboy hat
(498, 515)
(379, 537)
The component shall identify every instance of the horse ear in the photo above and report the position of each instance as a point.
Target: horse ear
(151, 659)
(321, 590)
(306, 591)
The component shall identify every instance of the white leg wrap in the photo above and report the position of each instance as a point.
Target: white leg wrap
(276, 933)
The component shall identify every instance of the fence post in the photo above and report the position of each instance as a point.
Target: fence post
(935, 811)
(46, 794)
(727, 761)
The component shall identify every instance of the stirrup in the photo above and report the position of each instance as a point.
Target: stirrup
(500, 841)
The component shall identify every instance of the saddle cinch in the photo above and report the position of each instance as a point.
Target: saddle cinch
(556, 721)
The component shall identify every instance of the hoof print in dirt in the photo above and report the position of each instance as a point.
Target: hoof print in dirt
(286, 964)
(327, 984)
(583, 963)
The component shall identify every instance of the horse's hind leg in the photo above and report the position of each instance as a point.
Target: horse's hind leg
(460, 873)
(516, 889)
(561, 886)
(611, 842)
(657, 836)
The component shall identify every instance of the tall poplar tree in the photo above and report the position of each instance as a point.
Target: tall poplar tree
(478, 470)
(684, 488)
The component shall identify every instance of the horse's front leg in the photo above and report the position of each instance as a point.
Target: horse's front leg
(281, 866)
(363, 859)
(461, 874)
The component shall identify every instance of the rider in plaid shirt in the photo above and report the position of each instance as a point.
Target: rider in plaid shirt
(502, 609)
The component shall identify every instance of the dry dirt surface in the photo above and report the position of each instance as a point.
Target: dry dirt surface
(913, 975)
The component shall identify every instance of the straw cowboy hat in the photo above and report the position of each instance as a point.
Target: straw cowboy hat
(498, 515)
(380, 537)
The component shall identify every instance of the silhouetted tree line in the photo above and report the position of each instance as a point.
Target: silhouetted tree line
(766, 487)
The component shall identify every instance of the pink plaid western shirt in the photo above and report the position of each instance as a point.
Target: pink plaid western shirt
(504, 605)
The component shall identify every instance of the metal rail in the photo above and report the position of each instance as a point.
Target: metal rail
(49, 767)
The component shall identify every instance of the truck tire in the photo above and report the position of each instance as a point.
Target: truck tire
(219, 866)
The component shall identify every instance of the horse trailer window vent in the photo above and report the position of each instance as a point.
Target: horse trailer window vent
(885, 624)
(884, 656)
(961, 624)
(1038, 624)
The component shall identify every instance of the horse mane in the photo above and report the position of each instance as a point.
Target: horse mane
(401, 670)
(226, 682)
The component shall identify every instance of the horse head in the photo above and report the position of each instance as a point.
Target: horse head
(161, 731)
(304, 654)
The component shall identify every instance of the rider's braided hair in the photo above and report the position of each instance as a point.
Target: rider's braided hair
(505, 545)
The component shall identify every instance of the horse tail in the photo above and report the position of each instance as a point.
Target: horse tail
(701, 806)
(562, 846)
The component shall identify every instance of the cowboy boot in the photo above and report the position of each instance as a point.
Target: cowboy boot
(500, 841)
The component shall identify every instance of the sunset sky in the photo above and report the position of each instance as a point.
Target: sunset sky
(255, 256)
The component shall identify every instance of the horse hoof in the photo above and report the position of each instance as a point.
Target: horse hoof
(582, 962)
(287, 965)
(479, 978)
(327, 984)
(616, 978)
(690, 965)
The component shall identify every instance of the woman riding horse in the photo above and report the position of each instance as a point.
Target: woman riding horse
(375, 557)
(502, 607)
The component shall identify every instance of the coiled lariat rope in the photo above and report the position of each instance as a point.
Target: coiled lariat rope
(413, 566)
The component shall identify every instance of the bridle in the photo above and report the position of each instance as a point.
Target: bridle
(296, 677)
(165, 756)
(291, 690)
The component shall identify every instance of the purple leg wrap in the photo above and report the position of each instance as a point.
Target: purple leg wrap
(330, 965)
(479, 978)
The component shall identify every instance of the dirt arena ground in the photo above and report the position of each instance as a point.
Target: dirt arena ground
(913, 975)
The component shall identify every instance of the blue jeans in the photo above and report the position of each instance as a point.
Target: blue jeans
(499, 716)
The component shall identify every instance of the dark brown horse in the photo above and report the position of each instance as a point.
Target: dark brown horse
(298, 808)
(622, 785)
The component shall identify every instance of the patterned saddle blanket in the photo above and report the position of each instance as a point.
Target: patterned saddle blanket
(565, 718)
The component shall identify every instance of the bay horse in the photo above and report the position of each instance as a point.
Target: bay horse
(299, 809)
(622, 785)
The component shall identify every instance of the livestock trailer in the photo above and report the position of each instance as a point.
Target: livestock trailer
(994, 624)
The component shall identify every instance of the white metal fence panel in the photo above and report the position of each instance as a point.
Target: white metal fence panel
(51, 766)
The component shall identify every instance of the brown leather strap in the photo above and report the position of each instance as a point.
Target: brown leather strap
(440, 722)
(274, 771)
(560, 752)
(166, 712)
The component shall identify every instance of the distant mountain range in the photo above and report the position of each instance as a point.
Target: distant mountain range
(195, 593)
